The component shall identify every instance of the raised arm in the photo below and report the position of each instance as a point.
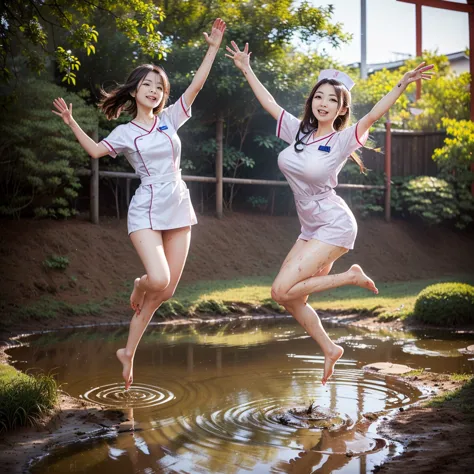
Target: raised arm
(214, 42)
(95, 150)
(383, 105)
(242, 61)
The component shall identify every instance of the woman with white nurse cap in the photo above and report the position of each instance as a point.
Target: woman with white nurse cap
(319, 146)
(160, 215)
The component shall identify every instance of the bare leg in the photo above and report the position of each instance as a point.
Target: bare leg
(149, 245)
(309, 319)
(175, 246)
(298, 276)
(311, 261)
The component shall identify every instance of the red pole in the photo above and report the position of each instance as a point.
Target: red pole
(471, 70)
(419, 46)
(388, 166)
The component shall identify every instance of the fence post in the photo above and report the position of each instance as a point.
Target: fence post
(219, 164)
(388, 166)
(94, 184)
(127, 191)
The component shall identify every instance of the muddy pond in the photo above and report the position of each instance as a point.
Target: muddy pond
(235, 397)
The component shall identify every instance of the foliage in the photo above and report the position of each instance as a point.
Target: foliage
(270, 28)
(171, 308)
(258, 201)
(56, 262)
(212, 306)
(32, 29)
(446, 304)
(39, 154)
(454, 161)
(25, 399)
(431, 199)
(445, 95)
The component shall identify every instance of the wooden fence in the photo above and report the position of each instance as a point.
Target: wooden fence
(406, 153)
(95, 174)
(412, 152)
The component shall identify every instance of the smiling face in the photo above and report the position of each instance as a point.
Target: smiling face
(326, 105)
(150, 91)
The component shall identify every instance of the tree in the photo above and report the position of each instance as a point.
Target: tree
(39, 29)
(444, 96)
(38, 154)
(270, 28)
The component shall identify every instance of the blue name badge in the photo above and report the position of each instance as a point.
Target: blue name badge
(164, 127)
(325, 148)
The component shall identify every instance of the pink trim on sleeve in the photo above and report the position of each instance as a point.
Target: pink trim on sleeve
(109, 146)
(279, 123)
(357, 136)
(184, 108)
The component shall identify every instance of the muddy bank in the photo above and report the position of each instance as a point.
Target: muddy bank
(101, 259)
(72, 421)
(435, 439)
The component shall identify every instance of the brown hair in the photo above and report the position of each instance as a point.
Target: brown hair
(309, 123)
(120, 99)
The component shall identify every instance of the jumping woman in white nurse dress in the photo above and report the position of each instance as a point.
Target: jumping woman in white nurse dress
(319, 147)
(160, 215)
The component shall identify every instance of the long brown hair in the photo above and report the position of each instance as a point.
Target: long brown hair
(309, 123)
(120, 99)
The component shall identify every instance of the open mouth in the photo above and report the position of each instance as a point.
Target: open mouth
(322, 112)
(153, 99)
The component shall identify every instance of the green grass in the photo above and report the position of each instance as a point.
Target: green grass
(24, 399)
(461, 399)
(395, 300)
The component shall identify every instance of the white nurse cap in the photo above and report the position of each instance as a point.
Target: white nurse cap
(342, 77)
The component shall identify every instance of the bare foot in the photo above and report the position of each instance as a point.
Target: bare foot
(361, 279)
(127, 363)
(330, 361)
(137, 296)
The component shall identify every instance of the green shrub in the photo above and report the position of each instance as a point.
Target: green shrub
(431, 199)
(56, 262)
(259, 202)
(454, 162)
(445, 304)
(171, 308)
(213, 307)
(24, 399)
(40, 154)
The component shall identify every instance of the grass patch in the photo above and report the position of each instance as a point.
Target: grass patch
(24, 399)
(395, 300)
(461, 399)
(50, 308)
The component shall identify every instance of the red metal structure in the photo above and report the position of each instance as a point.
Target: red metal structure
(445, 5)
(458, 7)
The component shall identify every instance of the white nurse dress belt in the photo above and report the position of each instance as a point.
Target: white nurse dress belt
(161, 178)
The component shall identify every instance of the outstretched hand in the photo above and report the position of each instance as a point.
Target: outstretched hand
(241, 58)
(418, 73)
(63, 111)
(217, 33)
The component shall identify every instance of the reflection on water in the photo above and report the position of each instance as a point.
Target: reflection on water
(218, 398)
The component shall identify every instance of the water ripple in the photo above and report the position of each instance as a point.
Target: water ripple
(138, 396)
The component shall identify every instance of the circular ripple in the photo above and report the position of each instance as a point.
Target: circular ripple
(254, 422)
(138, 396)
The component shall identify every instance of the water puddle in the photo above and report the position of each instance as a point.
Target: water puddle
(242, 396)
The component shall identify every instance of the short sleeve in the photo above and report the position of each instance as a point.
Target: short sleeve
(350, 140)
(177, 113)
(287, 126)
(115, 142)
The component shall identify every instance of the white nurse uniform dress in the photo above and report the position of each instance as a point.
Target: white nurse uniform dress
(312, 176)
(162, 200)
